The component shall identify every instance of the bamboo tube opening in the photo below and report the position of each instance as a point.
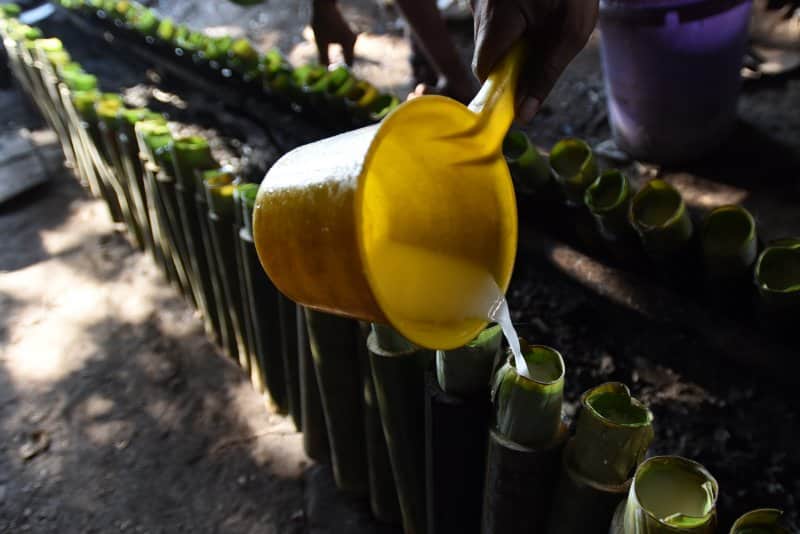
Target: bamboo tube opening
(608, 192)
(762, 521)
(382, 105)
(545, 364)
(84, 102)
(657, 205)
(570, 157)
(676, 492)
(515, 144)
(614, 404)
(728, 229)
(219, 192)
(357, 92)
(336, 80)
(778, 269)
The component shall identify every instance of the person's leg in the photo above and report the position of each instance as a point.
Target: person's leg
(430, 29)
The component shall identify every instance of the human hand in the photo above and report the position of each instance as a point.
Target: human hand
(554, 32)
(330, 27)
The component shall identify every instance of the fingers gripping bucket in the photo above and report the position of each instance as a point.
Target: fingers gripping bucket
(672, 73)
(402, 222)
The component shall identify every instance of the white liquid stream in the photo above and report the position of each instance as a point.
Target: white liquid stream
(500, 314)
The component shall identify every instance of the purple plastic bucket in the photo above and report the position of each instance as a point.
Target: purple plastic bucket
(672, 73)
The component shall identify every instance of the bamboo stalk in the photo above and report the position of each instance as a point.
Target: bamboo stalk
(219, 189)
(668, 494)
(526, 444)
(382, 490)
(254, 362)
(574, 167)
(129, 157)
(730, 244)
(399, 377)
(288, 312)
(334, 347)
(455, 456)
(167, 198)
(763, 521)
(107, 117)
(659, 216)
(612, 435)
(529, 169)
(191, 154)
(263, 302)
(225, 335)
(315, 432)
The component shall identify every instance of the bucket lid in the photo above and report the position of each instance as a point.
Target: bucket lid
(655, 12)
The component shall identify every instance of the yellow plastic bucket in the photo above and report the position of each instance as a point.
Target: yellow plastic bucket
(410, 222)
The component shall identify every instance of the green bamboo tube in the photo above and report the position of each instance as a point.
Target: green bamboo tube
(81, 139)
(763, 521)
(108, 111)
(219, 189)
(287, 313)
(398, 372)
(525, 445)
(254, 362)
(129, 157)
(263, 300)
(659, 216)
(574, 166)
(382, 105)
(334, 347)
(608, 199)
(315, 433)
(79, 81)
(146, 22)
(382, 490)
(359, 100)
(305, 79)
(519, 400)
(242, 57)
(216, 50)
(613, 433)
(457, 415)
(279, 82)
(529, 170)
(152, 136)
(166, 30)
(730, 244)
(467, 371)
(338, 84)
(777, 278)
(225, 335)
(85, 103)
(170, 218)
(668, 494)
(192, 154)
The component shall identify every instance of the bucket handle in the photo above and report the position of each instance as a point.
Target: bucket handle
(494, 104)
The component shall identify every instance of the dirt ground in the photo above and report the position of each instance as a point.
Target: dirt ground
(118, 415)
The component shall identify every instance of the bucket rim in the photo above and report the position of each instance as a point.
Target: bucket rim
(655, 13)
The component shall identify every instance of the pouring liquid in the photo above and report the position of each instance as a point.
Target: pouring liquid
(427, 287)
